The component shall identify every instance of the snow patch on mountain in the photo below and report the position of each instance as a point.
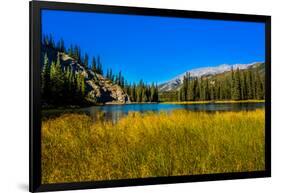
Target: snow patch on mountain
(175, 83)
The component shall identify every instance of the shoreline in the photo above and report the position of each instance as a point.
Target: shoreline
(74, 107)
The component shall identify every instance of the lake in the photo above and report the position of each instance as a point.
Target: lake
(115, 112)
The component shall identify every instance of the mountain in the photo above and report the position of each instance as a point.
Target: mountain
(175, 83)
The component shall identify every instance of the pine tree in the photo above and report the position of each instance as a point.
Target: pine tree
(203, 89)
(244, 90)
(144, 96)
(52, 79)
(94, 64)
(45, 77)
(259, 86)
(139, 94)
(221, 91)
(119, 78)
(68, 75)
(212, 94)
(111, 77)
(122, 81)
(196, 89)
(207, 90)
(180, 94)
(263, 86)
(232, 83)
(191, 94)
(99, 66)
(56, 80)
(237, 86)
(133, 92)
(71, 51)
(61, 47)
(156, 94)
(107, 74)
(77, 54)
(86, 61)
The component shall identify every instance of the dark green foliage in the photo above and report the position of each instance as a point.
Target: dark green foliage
(71, 51)
(141, 92)
(61, 86)
(94, 64)
(77, 53)
(56, 79)
(109, 74)
(236, 94)
(45, 77)
(170, 96)
(234, 85)
(60, 45)
(86, 61)
(99, 69)
(259, 86)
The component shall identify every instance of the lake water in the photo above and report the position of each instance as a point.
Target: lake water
(115, 112)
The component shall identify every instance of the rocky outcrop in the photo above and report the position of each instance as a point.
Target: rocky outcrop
(102, 90)
(98, 88)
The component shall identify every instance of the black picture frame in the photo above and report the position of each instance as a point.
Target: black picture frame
(35, 105)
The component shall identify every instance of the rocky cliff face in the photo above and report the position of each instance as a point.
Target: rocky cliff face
(98, 88)
(103, 91)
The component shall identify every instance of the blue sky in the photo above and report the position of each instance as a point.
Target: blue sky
(157, 49)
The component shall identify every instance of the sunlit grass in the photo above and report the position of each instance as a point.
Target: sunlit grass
(74, 148)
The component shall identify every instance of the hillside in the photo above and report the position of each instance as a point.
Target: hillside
(96, 88)
(175, 83)
(99, 89)
(235, 84)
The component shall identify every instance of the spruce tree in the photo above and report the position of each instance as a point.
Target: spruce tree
(110, 74)
(207, 90)
(99, 66)
(107, 74)
(71, 51)
(61, 47)
(237, 86)
(94, 64)
(144, 96)
(52, 79)
(259, 86)
(45, 77)
(86, 61)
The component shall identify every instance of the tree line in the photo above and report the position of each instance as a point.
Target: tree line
(235, 85)
(63, 85)
(60, 84)
(74, 51)
(142, 92)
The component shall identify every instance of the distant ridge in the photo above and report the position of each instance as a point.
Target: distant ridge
(175, 83)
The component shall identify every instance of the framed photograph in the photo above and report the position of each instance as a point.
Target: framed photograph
(125, 96)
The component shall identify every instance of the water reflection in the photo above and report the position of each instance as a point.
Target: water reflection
(115, 112)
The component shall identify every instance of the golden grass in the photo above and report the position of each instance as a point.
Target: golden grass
(219, 101)
(74, 148)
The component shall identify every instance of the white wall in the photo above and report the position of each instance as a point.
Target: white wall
(14, 94)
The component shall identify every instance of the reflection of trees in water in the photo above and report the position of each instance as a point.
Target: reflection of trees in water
(114, 113)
